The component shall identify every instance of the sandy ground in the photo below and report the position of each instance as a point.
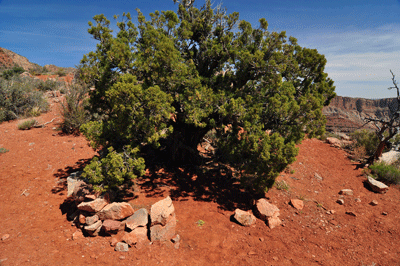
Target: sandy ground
(33, 195)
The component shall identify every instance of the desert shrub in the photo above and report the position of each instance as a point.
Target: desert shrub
(282, 185)
(385, 172)
(3, 150)
(366, 139)
(359, 153)
(18, 97)
(61, 72)
(73, 109)
(9, 73)
(27, 124)
(114, 169)
(49, 85)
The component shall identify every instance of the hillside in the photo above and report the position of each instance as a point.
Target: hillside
(9, 59)
(34, 229)
(345, 114)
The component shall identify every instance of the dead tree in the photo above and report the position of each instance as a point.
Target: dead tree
(386, 128)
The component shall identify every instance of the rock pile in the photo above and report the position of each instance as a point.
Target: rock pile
(97, 215)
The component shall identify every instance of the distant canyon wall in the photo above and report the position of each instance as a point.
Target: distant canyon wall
(345, 114)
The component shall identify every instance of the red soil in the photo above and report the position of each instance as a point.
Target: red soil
(33, 193)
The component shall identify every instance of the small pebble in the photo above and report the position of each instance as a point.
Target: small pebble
(374, 203)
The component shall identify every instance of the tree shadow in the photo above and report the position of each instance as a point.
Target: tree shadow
(63, 174)
(209, 185)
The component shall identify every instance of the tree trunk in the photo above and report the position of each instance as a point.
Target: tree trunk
(183, 144)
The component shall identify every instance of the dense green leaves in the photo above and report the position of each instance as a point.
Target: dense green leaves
(179, 75)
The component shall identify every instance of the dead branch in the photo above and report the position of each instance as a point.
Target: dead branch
(42, 125)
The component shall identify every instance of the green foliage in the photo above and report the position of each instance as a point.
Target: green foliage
(19, 97)
(114, 169)
(282, 185)
(27, 124)
(3, 150)
(367, 139)
(74, 109)
(200, 223)
(9, 73)
(386, 173)
(49, 85)
(61, 72)
(174, 78)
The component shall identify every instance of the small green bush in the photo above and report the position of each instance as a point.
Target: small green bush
(61, 72)
(18, 97)
(49, 85)
(282, 185)
(366, 139)
(114, 169)
(3, 150)
(385, 172)
(9, 73)
(74, 109)
(27, 124)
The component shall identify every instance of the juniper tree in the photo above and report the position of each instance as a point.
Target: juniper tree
(177, 75)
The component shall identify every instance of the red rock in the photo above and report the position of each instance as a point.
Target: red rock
(297, 204)
(347, 192)
(333, 222)
(111, 226)
(244, 218)
(116, 211)
(114, 241)
(163, 233)
(5, 237)
(161, 211)
(274, 222)
(82, 219)
(92, 206)
(266, 210)
(77, 235)
(130, 238)
(374, 203)
(93, 229)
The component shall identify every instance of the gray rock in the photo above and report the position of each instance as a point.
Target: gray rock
(340, 201)
(390, 157)
(139, 218)
(93, 229)
(121, 247)
(91, 219)
(161, 211)
(244, 218)
(116, 211)
(93, 206)
(377, 186)
(347, 192)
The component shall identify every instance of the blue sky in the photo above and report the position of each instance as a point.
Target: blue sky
(360, 38)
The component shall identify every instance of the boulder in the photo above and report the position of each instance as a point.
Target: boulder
(81, 189)
(377, 186)
(111, 226)
(161, 211)
(244, 218)
(139, 218)
(93, 229)
(164, 233)
(116, 211)
(122, 247)
(347, 192)
(334, 142)
(390, 157)
(297, 204)
(93, 206)
(266, 210)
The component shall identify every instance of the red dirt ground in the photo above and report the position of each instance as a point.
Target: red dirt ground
(32, 196)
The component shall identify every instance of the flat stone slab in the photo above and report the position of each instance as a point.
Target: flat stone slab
(161, 211)
(93, 206)
(266, 210)
(377, 186)
(139, 218)
(116, 211)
